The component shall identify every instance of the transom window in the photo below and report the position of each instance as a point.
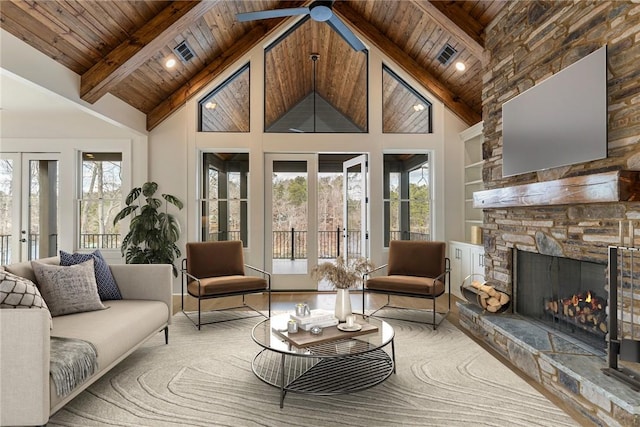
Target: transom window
(319, 87)
(226, 108)
(404, 110)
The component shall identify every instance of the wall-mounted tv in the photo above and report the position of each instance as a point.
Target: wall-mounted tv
(560, 121)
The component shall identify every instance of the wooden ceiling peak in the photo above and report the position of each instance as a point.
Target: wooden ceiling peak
(409, 65)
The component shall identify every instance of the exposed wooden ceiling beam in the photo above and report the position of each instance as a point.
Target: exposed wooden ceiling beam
(146, 42)
(464, 28)
(214, 69)
(415, 70)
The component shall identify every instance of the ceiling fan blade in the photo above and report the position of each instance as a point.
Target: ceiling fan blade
(276, 13)
(346, 33)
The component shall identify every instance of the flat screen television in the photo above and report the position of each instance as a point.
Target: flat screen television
(560, 121)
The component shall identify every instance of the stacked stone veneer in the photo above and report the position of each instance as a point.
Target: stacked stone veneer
(528, 42)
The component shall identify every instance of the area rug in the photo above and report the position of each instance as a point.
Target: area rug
(204, 378)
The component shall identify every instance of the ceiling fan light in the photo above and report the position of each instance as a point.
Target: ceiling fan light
(460, 66)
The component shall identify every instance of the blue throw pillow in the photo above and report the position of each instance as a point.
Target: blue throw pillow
(107, 286)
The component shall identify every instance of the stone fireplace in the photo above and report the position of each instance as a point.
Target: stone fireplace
(572, 212)
(564, 294)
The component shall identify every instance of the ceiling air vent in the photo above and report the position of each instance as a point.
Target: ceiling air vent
(184, 51)
(446, 54)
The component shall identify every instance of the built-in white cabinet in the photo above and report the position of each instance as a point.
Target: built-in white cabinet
(466, 259)
(472, 139)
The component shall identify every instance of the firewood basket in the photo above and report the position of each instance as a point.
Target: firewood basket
(470, 291)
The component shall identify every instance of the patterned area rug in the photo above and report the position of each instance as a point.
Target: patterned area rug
(204, 378)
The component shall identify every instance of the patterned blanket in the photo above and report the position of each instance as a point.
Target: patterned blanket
(72, 361)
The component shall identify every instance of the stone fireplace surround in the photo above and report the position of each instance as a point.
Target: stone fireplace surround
(565, 366)
(526, 43)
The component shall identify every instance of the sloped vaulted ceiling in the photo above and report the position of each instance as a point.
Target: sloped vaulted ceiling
(118, 46)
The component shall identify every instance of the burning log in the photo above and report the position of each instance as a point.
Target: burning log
(585, 309)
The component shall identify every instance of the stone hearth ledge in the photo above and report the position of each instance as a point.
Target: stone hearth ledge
(567, 368)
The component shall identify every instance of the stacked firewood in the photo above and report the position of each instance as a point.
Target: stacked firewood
(585, 308)
(490, 298)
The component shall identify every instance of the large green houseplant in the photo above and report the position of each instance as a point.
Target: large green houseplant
(153, 233)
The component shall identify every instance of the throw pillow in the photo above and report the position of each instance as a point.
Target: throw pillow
(70, 289)
(107, 286)
(16, 291)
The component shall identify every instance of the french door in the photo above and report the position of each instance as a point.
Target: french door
(303, 197)
(355, 216)
(291, 228)
(29, 206)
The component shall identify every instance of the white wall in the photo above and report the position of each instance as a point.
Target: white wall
(443, 145)
(170, 156)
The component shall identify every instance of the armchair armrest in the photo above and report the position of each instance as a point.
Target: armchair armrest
(368, 273)
(24, 363)
(266, 273)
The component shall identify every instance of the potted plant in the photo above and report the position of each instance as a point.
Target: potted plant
(342, 275)
(152, 233)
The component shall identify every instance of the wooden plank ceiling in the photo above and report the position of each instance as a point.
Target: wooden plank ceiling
(119, 47)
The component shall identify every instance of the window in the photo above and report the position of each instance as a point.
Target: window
(404, 110)
(100, 200)
(226, 108)
(320, 86)
(407, 209)
(224, 199)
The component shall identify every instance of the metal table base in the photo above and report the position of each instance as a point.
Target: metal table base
(323, 376)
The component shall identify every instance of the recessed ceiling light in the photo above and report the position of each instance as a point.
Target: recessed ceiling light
(460, 66)
(210, 105)
(170, 62)
(418, 107)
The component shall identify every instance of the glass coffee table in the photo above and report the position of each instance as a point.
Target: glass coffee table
(334, 362)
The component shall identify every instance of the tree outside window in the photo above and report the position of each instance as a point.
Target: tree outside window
(407, 197)
(224, 200)
(100, 200)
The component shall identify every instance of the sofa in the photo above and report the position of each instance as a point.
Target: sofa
(27, 392)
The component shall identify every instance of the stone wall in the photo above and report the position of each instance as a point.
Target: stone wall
(527, 43)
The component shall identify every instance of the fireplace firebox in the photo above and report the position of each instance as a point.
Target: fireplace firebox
(566, 294)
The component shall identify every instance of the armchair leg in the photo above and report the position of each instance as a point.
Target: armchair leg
(166, 335)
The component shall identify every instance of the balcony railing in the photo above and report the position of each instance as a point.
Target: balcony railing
(290, 244)
(100, 241)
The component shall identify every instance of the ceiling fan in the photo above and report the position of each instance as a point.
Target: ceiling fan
(319, 11)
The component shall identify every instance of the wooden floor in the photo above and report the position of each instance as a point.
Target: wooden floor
(282, 301)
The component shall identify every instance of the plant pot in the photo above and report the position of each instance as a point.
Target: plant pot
(343, 304)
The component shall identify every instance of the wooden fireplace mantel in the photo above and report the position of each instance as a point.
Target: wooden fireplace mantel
(615, 186)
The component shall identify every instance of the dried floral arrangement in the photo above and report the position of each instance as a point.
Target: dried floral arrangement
(341, 274)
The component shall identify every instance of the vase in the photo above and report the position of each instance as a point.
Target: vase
(343, 304)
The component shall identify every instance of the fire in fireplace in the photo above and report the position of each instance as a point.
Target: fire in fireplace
(566, 294)
(584, 310)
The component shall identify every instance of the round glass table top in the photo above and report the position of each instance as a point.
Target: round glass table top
(272, 334)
